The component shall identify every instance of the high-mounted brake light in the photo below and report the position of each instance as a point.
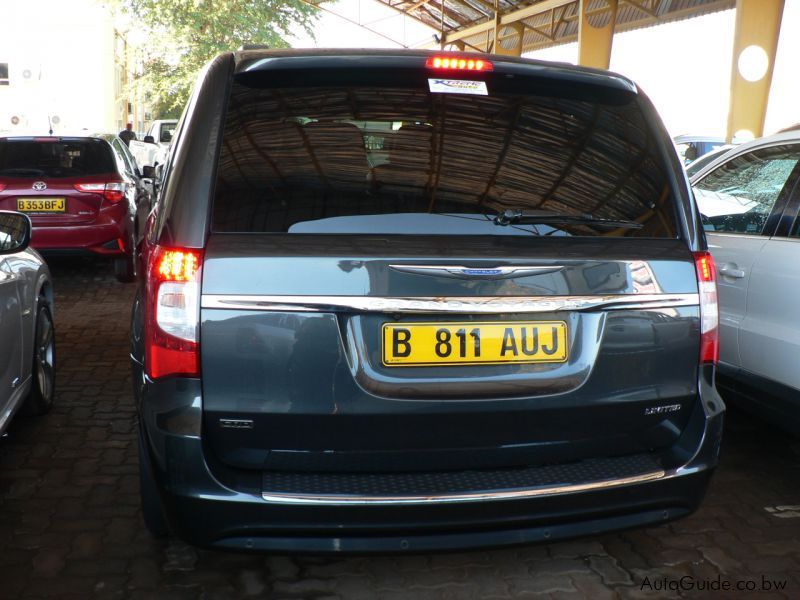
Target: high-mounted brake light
(171, 344)
(709, 307)
(459, 63)
(113, 192)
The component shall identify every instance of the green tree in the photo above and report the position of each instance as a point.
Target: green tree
(183, 35)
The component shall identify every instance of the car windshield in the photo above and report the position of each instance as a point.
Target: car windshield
(55, 157)
(352, 159)
(694, 167)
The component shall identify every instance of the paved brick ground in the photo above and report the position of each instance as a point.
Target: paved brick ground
(70, 525)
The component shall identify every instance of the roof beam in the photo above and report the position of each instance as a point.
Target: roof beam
(640, 5)
(650, 16)
(414, 6)
(506, 19)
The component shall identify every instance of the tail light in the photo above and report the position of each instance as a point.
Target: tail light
(709, 307)
(459, 63)
(172, 312)
(113, 192)
(3, 186)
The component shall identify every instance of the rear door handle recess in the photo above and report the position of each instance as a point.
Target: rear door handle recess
(731, 271)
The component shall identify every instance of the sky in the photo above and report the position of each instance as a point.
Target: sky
(336, 32)
(684, 67)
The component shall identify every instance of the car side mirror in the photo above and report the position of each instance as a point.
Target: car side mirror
(149, 171)
(149, 139)
(15, 232)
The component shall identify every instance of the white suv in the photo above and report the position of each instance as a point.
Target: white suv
(749, 200)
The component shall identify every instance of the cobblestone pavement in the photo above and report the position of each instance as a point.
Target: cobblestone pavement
(70, 525)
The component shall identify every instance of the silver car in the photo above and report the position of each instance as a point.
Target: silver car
(27, 335)
(749, 200)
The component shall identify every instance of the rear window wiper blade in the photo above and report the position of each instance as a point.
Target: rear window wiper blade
(518, 217)
(22, 171)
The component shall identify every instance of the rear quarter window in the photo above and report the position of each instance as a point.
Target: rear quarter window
(401, 160)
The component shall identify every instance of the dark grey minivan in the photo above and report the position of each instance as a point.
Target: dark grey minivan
(403, 300)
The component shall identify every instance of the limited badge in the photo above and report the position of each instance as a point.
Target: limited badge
(458, 86)
(660, 410)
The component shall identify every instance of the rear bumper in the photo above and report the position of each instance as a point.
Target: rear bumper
(212, 519)
(209, 515)
(241, 515)
(96, 238)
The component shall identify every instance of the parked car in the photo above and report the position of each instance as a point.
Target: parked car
(699, 163)
(153, 147)
(692, 147)
(162, 131)
(749, 203)
(83, 194)
(402, 300)
(27, 351)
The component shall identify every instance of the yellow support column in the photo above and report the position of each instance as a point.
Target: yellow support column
(758, 24)
(596, 33)
(518, 35)
(516, 47)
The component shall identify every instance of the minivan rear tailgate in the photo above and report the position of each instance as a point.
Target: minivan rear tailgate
(299, 372)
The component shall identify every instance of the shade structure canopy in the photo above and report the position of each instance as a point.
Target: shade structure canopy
(540, 23)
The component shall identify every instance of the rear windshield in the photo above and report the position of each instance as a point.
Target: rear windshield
(358, 159)
(57, 158)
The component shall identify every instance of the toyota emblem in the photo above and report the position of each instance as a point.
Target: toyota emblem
(39, 186)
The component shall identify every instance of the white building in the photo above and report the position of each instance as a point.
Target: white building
(62, 65)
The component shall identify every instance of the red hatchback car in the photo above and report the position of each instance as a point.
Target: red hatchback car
(83, 195)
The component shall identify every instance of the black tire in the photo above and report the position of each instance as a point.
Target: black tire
(43, 371)
(152, 512)
(125, 268)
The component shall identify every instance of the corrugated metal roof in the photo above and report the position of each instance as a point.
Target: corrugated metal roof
(546, 22)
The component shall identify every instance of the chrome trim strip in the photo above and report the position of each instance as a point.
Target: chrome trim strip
(452, 305)
(339, 500)
(462, 272)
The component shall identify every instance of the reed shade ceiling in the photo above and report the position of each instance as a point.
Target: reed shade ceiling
(298, 154)
(545, 22)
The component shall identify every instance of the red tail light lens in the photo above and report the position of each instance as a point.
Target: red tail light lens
(459, 63)
(3, 186)
(173, 310)
(178, 265)
(113, 192)
(709, 307)
(91, 188)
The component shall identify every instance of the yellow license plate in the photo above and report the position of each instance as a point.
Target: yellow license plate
(43, 205)
(470, 343)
